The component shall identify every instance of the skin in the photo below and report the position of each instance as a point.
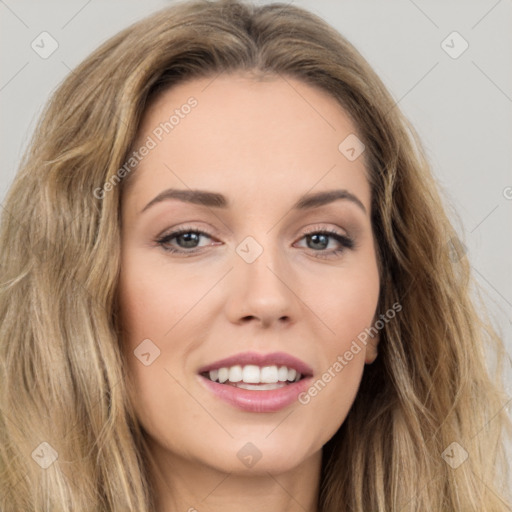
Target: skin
(263, 144)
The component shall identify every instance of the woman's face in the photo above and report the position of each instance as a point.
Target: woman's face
(277, 282)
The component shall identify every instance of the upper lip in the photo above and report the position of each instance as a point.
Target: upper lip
(271, 359)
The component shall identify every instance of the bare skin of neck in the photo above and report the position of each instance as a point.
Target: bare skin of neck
(185, 486)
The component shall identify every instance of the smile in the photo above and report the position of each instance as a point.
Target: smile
(257, 383)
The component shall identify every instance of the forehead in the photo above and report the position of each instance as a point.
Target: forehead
(250, 136)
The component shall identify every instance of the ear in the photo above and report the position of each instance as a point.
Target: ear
(372, 349)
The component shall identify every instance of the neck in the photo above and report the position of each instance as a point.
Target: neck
(187, 485)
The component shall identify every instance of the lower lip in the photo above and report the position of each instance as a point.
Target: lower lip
(271, 400)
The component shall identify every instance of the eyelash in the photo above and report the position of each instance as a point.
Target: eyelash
(345, 241)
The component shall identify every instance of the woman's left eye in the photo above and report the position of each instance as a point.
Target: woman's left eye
(322, 238)
(188, 240)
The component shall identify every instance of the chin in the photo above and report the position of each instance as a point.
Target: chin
(254, 455)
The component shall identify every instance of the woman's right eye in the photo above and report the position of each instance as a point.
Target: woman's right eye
(188, 237)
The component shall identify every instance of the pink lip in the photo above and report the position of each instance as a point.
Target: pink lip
(257, 401)
(274, 358)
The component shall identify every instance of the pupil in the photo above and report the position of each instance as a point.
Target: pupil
(189, 238)
(315, 238)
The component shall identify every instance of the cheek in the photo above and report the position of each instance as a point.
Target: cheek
(150, 309)
(153, 301)
(158, 317)
(347, 304)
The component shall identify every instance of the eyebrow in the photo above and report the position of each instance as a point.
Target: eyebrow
(216, 200)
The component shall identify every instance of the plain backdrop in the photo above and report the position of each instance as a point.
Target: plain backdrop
(460, 102)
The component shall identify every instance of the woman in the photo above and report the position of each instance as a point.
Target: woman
(320, 352)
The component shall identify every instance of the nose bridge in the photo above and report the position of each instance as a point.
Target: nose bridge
(260, 278)
(260, 259)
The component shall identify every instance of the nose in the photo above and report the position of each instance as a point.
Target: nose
(263, 291)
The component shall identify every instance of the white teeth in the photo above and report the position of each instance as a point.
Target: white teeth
(269, 375)
(260, 387)
(252, 374)
(235, 374)
(282, 374)
(292, 373)
(223, 375)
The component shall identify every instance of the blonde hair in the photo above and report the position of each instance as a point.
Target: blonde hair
(62, 373)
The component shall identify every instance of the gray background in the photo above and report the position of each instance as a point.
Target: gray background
(461, 107)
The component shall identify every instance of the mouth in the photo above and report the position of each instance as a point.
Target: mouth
(257, 383)
(254, 377)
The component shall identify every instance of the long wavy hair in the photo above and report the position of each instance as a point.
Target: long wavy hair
(69, 438)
